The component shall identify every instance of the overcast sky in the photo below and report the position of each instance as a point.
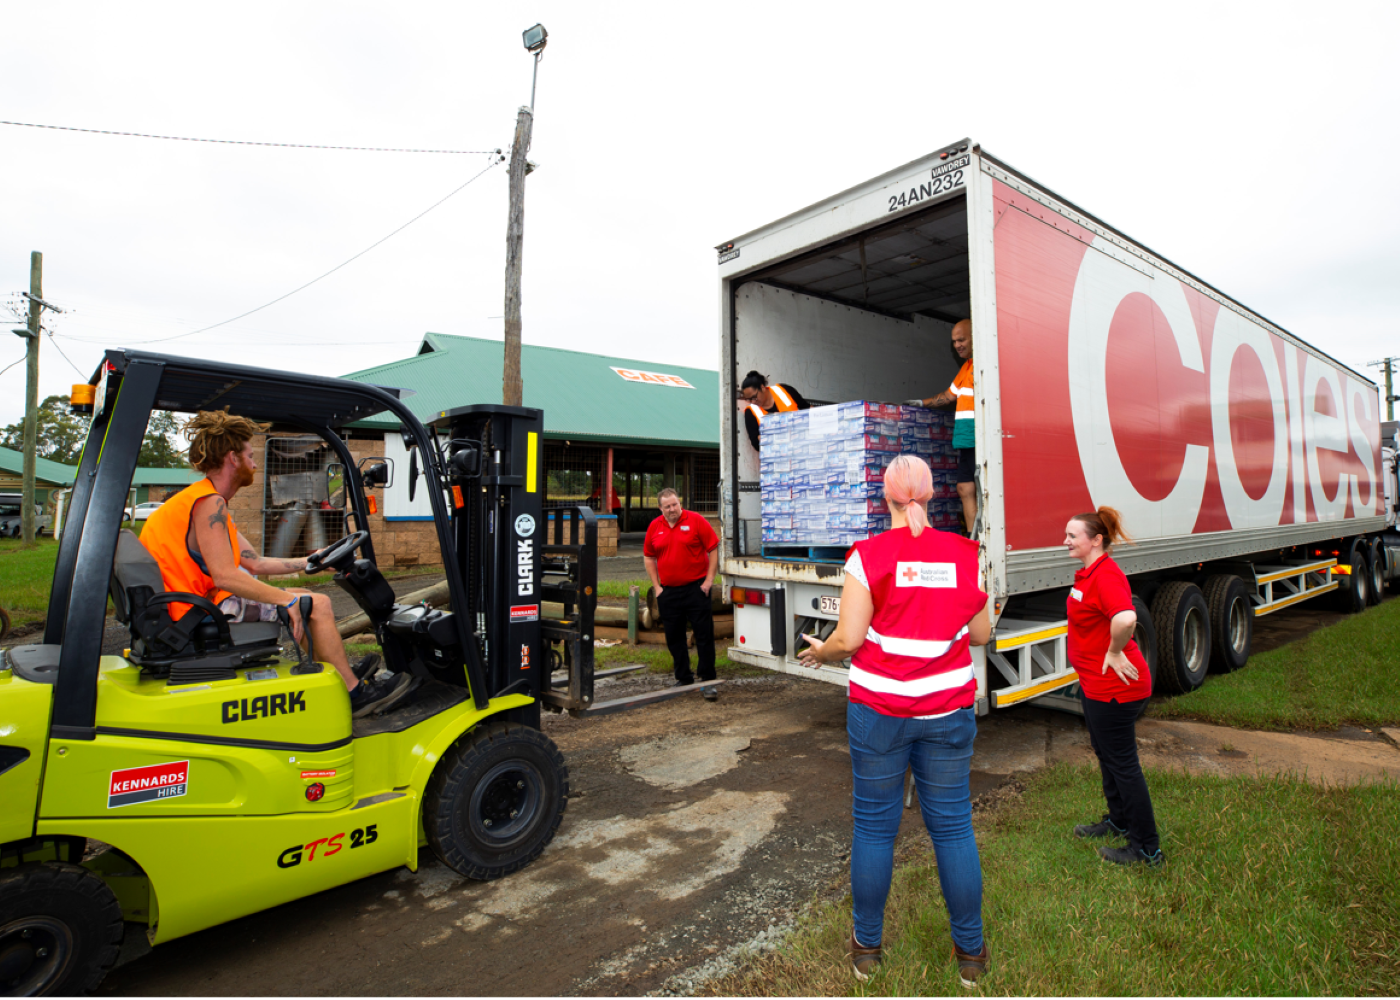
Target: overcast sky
(1253, 144)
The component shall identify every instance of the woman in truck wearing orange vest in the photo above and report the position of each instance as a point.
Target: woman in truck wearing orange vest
(762, 398)
(911, 608)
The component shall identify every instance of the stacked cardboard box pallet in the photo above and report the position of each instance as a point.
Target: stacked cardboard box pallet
(821, 472)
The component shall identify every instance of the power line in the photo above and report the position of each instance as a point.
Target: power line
(245, 142)
(11, 365)
(65, 357)
(179, 336)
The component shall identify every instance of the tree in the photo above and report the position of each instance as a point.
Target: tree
(161, 449)
(60, 434)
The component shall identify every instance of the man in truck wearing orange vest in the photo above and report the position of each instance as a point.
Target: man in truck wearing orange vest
(200, 551)
(963, 440)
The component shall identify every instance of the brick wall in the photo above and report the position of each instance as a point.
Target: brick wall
(607, 537)
(397, 543)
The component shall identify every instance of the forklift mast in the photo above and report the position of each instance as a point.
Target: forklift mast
(495, 469)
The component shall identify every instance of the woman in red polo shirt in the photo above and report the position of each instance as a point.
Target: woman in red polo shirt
(1114, 684)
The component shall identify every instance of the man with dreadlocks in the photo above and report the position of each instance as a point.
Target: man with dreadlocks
(201, 551)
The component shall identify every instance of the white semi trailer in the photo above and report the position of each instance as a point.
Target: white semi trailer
(1247, 463)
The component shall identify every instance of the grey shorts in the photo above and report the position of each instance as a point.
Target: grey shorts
(240, 609)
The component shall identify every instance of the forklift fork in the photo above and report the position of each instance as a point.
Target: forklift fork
(569, 574)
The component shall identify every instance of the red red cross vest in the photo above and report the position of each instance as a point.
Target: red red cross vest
(917, 659)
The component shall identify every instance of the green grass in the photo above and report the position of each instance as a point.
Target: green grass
(618, 588)
(26, 574)
(1271, 887)
(1344, 674)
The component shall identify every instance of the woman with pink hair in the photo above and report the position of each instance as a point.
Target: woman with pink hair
(911, 609)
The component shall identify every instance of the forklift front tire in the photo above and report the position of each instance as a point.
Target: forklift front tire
(495, 800)
(60, 930)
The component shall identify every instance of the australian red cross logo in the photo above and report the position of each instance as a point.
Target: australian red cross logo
(145, 784)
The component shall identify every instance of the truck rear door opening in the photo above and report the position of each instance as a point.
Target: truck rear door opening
(865, 316)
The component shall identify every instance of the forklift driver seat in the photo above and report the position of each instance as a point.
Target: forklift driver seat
(202, 645)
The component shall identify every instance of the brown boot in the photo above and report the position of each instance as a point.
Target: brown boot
(971, 968)
(864, 961)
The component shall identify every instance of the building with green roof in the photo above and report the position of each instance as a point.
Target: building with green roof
(652, 424)
(52, 478)
(48, 476)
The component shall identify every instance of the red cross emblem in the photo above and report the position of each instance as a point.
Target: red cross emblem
(909, 574)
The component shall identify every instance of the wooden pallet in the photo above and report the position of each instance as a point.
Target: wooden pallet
(807, 553)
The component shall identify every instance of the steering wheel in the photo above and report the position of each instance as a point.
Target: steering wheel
(338, 555)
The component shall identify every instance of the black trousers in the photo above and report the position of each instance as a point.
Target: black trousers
(679, 604)
(1113, 735)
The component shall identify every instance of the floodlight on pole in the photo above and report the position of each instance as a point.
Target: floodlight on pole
(535, 40)
(512, 386)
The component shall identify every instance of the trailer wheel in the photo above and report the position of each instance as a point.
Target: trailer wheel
(1231, 622)
(1353, 595)
(495, 800)
(1376, 563)
(1145, 635)
(1183, 636)
(60, 930)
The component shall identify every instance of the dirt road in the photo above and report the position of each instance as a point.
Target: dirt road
(695, 831)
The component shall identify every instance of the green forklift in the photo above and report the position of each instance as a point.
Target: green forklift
(207, 773)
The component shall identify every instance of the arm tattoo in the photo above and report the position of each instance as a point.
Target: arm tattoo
(219, 519)
(248, 554)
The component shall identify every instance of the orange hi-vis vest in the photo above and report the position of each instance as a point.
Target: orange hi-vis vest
(166, 536)
(786, 403)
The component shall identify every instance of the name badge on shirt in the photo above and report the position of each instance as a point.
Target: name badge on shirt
(1076, 593)
(685, 527)
(922, 574)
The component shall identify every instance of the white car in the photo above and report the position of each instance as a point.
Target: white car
(144, 510)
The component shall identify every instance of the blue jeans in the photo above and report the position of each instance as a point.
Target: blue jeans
(940, 750)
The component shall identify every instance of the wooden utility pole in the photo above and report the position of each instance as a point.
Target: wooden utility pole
(1389, 365)
(31, 394)
(513, 387)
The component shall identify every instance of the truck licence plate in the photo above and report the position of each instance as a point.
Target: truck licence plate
(830, 605)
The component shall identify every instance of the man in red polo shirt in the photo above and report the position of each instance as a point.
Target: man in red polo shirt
(681, 553)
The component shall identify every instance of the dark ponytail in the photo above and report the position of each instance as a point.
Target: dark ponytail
(753, 380)
(1106, 522)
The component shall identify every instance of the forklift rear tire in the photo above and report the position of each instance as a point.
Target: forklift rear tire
(60, 930)
(495, 800)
